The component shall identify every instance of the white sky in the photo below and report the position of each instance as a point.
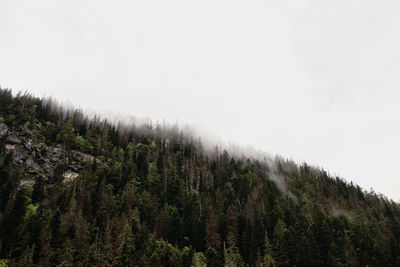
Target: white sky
(312, 80)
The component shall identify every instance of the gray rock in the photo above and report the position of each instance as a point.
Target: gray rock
(20, 156)
(9, 147)
(36, 158)
(26, 183)
(80, 157)
(28, 144)
(3, 129)
(55, 153)
(32, 167)
(13, 138)
(48, 168)
(69, 176)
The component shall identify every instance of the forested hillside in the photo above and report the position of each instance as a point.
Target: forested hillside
(76, 191)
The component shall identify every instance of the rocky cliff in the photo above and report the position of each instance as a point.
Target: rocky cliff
(35, 158)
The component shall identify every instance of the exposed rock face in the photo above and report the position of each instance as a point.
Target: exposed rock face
(32, 167)
(3, 127)
(36, 158)
(12, 138)
(10, 147)
(49, 157)
(26, 183)
(69, 176)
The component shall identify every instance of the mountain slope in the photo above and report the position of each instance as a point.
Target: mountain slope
(82, 192)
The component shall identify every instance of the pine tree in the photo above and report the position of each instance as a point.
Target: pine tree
(213, 238)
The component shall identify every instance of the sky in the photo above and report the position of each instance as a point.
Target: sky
(315, 81)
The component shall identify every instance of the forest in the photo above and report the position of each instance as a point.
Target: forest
(82, 191)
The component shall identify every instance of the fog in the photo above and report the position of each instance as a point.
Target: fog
(308, 80)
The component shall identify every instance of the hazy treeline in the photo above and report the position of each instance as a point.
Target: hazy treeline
(153, 195)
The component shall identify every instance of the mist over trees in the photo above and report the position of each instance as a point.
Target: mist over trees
(81, 191)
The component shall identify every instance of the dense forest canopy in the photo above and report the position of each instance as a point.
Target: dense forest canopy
(76, 191)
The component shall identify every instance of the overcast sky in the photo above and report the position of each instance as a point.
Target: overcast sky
(316, 81)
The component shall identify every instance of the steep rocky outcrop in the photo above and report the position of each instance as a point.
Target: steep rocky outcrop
(35, 158)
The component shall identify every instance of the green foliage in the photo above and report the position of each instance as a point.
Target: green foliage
(9, 179)
(213, 258)
(49, 131)
(79, 142)
(151, 196)
(13, 221)
(199, 260)
(164, 254)
(126, 255)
